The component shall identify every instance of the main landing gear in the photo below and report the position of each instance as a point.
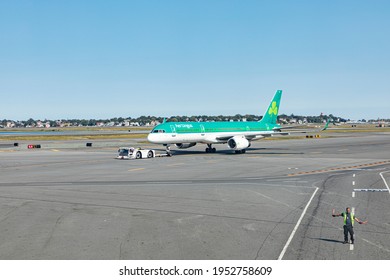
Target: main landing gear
(210, 149)
(240, 151)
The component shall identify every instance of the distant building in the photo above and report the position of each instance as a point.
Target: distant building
(10, 124)
(283, 120)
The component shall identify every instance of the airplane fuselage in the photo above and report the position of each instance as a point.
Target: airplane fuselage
(206, 132)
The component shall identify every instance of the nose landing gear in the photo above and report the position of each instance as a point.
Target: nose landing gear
(168, 150)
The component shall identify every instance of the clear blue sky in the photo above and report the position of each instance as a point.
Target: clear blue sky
(101, 59)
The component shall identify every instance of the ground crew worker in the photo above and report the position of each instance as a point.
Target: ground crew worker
(349, 219)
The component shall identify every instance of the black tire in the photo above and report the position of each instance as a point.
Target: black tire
(138, 155)
(243, 151)
(213, 150)
(207, 150)
(150, 154)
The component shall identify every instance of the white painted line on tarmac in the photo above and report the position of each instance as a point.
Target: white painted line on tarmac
(353, 183)
(354, 175)
(361, 169)
(353, 194)
(370, 190)
(351, 247)
(383, 178)
(296, 226)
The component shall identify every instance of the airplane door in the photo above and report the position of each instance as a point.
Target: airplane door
(173, 131)
(202, 130)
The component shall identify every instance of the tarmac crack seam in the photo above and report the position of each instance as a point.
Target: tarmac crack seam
(270, 198)
(58, 221)
(141, 208)
(126, 239)
(376, 245)
(6, 215)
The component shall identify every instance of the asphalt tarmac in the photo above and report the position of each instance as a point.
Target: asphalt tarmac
(69, 201)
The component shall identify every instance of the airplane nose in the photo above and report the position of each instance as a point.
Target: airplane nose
(151, 138)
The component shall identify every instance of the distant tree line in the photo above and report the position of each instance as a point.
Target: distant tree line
(151, 120)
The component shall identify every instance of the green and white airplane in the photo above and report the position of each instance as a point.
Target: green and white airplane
(237, 135)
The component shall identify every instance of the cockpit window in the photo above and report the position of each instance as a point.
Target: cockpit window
(158, 131)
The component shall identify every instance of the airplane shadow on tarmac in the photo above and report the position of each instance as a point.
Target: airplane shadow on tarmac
(250, 151)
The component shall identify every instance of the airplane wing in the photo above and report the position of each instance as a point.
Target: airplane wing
(252, 136)
(291, 129)
(279, 131)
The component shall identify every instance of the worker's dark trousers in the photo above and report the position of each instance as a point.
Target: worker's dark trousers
(346, 230)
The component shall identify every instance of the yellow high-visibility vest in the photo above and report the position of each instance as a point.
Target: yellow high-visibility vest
(352, 218)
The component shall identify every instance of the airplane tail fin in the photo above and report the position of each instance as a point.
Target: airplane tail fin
(271, 115)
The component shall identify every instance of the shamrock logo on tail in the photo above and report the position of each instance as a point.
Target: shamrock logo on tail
(273, 110)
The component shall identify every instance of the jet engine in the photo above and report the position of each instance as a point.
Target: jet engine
(185, 145)
(238, 143)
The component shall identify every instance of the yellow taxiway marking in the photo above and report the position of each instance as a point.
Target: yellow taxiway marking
(176, 164)
(136, 169)
(54, 150)
(341, 168)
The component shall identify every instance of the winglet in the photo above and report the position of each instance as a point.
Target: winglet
(326, 125)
